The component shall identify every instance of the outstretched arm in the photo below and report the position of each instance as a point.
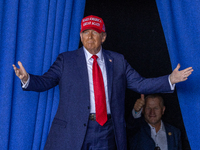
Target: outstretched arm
(21, 72)
(178, 76)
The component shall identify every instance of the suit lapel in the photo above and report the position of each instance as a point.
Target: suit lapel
(82, 68)
(147, 129)
(169, 137)
(109, 70)
(149, 140)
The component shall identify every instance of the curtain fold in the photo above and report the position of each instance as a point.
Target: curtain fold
(33, 32)
(181, 25)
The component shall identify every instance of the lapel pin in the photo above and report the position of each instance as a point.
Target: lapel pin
(110, 60)
(169, 133)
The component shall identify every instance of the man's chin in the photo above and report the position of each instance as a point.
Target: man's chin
(153, 121)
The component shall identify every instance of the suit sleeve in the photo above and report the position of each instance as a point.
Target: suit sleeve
(143, 85)
(49, 79)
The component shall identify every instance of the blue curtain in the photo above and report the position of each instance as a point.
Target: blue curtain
(181, 24)
(33, 32)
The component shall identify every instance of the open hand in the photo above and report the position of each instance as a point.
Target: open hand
(21, 72)
(179, 76)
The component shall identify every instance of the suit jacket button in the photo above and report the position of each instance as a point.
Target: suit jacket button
(88, 107)
(84, 124)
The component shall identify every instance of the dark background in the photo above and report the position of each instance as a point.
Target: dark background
(134, 29)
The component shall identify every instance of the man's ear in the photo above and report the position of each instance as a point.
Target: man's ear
(81, 36)
(163, 110)
(104, 35)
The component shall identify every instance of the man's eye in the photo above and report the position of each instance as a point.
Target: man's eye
(85, 32)
(95, 32)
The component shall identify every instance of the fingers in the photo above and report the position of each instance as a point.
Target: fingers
(188, 73)
(14, 67)
(142, 100)
(20, 72)
(20, 65)
(189, 70)
(16, 70)
(139, 103)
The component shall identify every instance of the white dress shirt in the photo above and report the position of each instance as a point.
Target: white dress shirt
(101, 63)
(160, 138)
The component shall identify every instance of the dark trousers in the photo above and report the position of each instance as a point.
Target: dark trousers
(99, 137)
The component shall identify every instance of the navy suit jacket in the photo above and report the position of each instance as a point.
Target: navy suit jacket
(69, 71)
(139, 135)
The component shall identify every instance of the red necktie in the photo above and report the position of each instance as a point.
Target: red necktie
(99, 93)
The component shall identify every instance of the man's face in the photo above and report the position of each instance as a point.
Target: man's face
(92, 40)
(153, 111)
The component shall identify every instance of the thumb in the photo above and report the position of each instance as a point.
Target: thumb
(20, 65)
(142, 96)
(178, 67)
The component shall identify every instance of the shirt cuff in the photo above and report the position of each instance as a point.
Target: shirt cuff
(171, 86)
(137, 114)
(25, 85)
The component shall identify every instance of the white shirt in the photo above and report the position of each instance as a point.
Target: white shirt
(101, 63)
(160, 138)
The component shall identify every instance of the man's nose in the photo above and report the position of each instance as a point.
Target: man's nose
(152, 112)
(90, 35)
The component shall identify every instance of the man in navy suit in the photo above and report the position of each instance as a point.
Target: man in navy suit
(75, 126)
(150, 132)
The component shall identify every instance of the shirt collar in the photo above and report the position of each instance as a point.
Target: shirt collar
(162, 128)
(89, 55)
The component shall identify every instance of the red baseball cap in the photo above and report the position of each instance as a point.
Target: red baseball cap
(94, 23)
